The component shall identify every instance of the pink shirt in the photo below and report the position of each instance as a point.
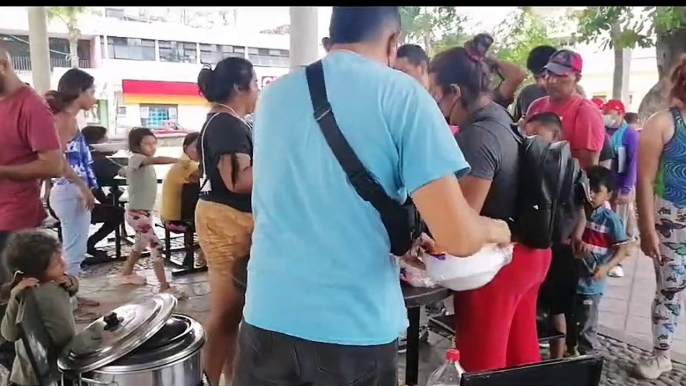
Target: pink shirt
(582, 123)
(27, 128)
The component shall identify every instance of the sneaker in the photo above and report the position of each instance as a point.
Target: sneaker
(97, 257)
(571, 354)
(132, 279)
(653, 367)
(180, 294)
(544, 345)
(616, 271)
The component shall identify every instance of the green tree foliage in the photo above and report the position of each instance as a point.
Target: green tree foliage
(662, 27)
(520, 32)
(70, 17)
(436, 28)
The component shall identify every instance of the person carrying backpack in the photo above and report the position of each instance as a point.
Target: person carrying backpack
(583, 129)
(495, 325)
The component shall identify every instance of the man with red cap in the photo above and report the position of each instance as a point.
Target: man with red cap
(583, 128)
(624, 141)
(582, 124)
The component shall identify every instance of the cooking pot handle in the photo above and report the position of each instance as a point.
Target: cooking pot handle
(94, 382)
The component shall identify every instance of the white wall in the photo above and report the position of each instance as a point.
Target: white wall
(599, 68)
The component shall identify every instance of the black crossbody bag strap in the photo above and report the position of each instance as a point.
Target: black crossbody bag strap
(393, 215)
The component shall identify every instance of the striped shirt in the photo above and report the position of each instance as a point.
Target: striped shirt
(604, 231)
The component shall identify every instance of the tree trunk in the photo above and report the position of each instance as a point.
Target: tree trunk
(618, 73)
(427, 42)
(74, 52)
(668, 49)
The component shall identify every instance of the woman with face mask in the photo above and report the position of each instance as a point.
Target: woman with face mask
(506, 307)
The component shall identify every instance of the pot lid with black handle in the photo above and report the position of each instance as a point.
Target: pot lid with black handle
(117, 333)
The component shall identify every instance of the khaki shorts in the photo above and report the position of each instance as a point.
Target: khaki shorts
(225, 235)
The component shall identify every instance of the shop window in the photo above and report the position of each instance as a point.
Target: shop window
(268, 57)
(177, 52)
(131, 48)
(213, 53)
(156, 116)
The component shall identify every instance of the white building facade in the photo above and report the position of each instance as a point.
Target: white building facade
(145, 73)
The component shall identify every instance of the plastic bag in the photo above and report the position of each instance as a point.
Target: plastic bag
(467, 273)
(413, 272)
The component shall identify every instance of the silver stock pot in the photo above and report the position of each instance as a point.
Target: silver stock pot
(142, 343)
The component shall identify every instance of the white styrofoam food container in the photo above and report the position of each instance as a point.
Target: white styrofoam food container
(467, 273)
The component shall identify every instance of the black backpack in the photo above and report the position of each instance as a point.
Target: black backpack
(551, 190)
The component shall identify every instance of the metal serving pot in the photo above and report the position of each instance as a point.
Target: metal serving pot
(138, 344)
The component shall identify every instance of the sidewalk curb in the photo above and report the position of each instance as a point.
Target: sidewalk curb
(643, 344)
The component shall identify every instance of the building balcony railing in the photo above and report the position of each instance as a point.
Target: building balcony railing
(23, 63)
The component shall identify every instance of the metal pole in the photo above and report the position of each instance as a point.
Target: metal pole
(304, 43)
(38, 45)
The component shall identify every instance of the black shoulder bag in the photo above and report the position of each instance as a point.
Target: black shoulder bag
(398, 219)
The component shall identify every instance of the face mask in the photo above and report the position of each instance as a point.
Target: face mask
(609, 121)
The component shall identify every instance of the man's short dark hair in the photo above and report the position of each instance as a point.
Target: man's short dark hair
(359, 24)
(93, 134)
(413, 53)
(599, 176)
(551, 121)
(631, 118)
(546, 118)
(538, 58)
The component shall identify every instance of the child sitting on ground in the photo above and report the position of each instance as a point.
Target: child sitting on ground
(142, 180)
(603, 246)
(35, 259)
(547, 125)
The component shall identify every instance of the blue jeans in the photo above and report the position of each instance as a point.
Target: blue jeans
(65, 201)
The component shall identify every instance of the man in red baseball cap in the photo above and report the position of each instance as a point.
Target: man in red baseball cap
(624, 141)
(582, 124)
(583, 128)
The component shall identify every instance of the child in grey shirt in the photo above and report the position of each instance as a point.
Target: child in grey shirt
(142, 181)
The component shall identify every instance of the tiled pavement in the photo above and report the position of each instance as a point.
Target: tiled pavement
(625, 308)
(631, 293)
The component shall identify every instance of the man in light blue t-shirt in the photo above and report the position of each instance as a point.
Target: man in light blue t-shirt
(323, 302)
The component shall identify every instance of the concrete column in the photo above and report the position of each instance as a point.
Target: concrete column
(40, 55)
(96, 51)
(626, 78)
(304, 47)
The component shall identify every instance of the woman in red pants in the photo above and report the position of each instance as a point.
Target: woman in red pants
(495, 324)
